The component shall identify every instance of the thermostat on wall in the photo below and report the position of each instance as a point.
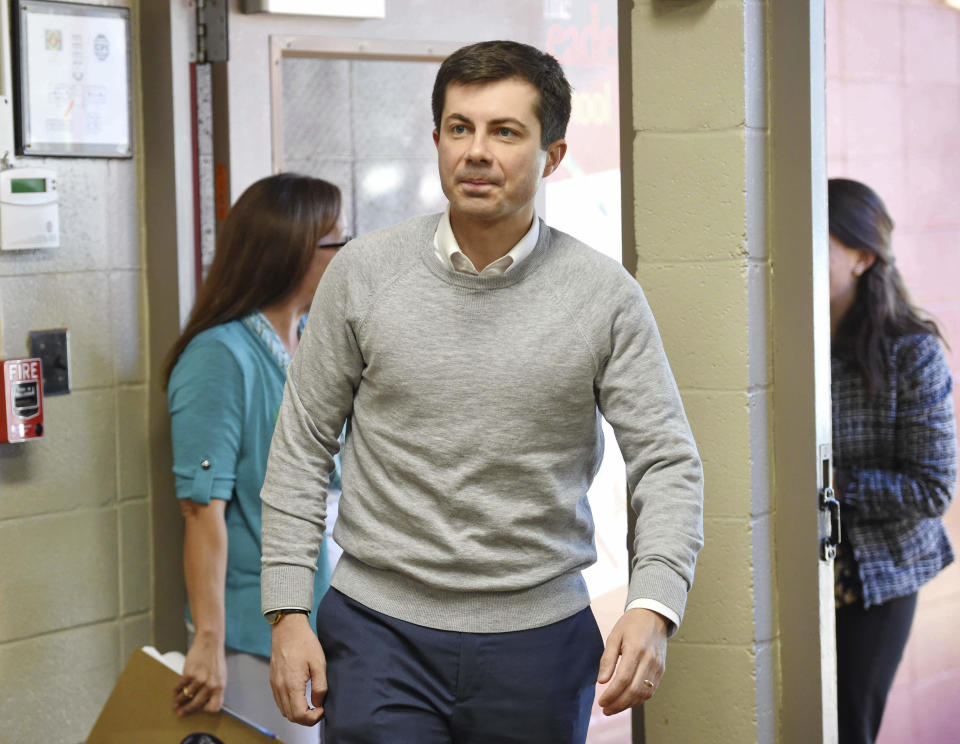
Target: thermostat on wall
(29, 215)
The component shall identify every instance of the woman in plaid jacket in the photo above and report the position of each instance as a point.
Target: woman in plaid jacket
(895, 454)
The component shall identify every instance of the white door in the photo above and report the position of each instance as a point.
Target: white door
(801, 364)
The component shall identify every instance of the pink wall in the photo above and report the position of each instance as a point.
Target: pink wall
(893, 122)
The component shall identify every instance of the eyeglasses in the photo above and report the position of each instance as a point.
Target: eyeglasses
(339, 244)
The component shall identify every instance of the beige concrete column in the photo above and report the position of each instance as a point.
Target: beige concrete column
(699, 149)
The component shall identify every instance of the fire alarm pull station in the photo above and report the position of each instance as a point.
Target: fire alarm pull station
(22, 410)
(29, 214)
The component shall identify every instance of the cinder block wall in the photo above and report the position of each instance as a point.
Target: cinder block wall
(75, 584)
(700, 197)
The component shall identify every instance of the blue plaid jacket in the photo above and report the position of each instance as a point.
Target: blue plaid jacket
(895, 461)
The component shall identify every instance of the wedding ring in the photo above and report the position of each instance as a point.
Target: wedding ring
(186, 693)
(648, 683)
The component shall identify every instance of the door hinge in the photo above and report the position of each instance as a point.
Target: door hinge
(212, 31)
(829, 504)
(829, 508)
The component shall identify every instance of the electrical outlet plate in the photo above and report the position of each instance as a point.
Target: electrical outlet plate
(52, 347)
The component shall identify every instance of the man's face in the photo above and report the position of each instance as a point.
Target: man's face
(488, 147)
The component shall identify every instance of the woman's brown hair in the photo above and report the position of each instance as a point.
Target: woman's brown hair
(265, 247)
(881, 311)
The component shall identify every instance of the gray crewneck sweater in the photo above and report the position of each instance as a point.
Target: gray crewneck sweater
(473, 435)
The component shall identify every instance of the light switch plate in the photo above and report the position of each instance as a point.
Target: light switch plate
(52, 347)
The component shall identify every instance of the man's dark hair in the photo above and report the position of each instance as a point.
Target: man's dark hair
(490, 61)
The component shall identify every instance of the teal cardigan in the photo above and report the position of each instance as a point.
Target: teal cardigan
(224, 395)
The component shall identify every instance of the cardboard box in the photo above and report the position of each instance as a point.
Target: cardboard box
(140, 709)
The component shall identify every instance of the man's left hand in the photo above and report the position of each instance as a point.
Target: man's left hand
(639, 640)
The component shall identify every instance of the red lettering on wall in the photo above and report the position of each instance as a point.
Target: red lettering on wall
(590, 46)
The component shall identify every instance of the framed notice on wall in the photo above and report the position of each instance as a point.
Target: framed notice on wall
(72, 80)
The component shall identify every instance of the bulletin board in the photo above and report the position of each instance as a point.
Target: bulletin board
(72, 80)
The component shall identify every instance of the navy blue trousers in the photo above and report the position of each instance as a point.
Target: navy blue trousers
(393, 682)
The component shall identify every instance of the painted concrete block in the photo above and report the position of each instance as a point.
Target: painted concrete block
(871, 50)
(122, 216)
(706, 302)
(836, 122)
(135, 632)
(132, 445)
(931, 116)
(707, 695)
(946, 584)
(935, 710)
(135, 559)
(72, 301)
(73, 466)
(721, 427)
(874, 118)
(128, 339)
(71, 575)
(834, 38)
(689, 196)
(720, 606)
(931, 45)
(703, 45)
(930, 264)
(934, 641)
(931, 187)
(56, 685)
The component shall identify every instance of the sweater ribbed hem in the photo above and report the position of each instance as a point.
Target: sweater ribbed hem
(465, 612)
(286, 586)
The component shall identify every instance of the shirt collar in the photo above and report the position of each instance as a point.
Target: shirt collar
(264, 330)
(449, 253)
(258, 323)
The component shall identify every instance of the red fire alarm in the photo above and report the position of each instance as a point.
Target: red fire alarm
(22, 412)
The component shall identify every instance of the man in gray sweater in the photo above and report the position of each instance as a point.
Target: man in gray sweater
(471, 355)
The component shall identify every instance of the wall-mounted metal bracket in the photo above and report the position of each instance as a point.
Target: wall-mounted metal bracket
(52, 347)
(212, 38)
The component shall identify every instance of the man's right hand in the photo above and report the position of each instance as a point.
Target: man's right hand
(295, 659)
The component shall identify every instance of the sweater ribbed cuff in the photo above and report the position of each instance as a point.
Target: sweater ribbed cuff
(284, 587)
(662, 584)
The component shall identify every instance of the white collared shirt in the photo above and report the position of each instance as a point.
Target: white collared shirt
(448, 251)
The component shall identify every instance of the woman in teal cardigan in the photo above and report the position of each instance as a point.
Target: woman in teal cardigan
(225, 377)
